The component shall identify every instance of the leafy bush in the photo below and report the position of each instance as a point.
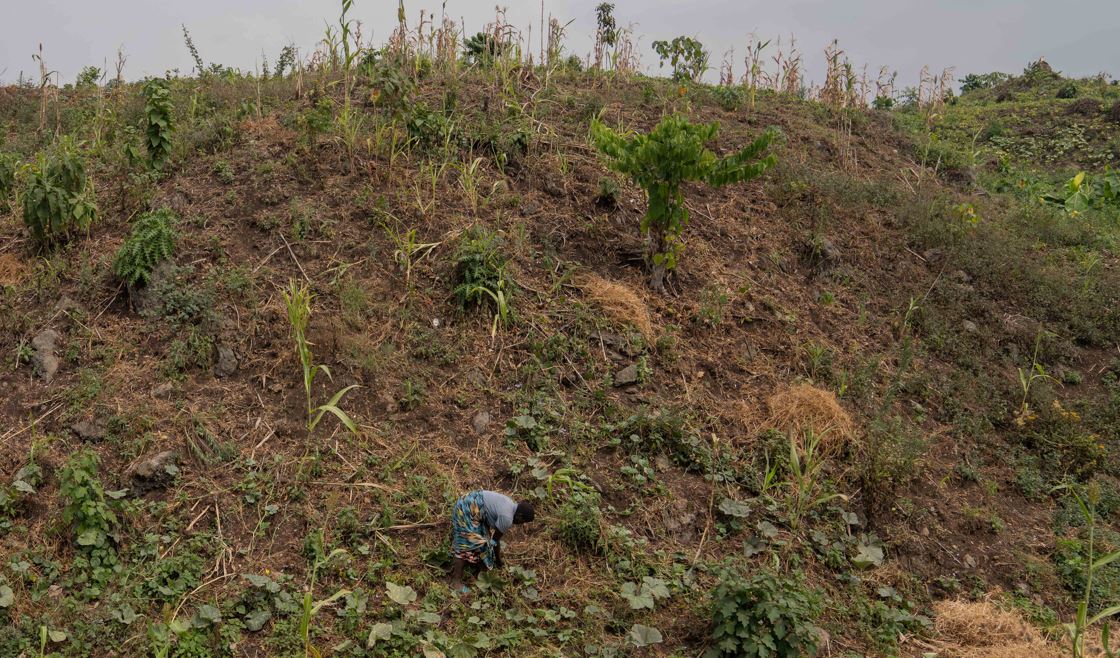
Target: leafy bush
(578, 522)
(728, 97)
(1065, 446)
(428, 129)
(883, 103)
(8, 164)
(974, 81)
(157, 122)
(58, 195)
(152, 241)
(762, 617)
(86, 508)
(687, 56)
(480, 272)
(661, 161)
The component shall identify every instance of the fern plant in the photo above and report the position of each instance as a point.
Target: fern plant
(58, 195)
(157, 122)
(660, 161)
(152, 241)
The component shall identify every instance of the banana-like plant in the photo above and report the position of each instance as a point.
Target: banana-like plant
(660, 161)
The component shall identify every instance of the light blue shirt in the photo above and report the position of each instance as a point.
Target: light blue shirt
(499, 510)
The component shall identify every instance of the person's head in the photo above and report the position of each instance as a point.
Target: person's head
(524, 513)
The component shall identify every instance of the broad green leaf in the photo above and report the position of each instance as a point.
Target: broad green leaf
(644, 636)
(379, 631)
(400, 594)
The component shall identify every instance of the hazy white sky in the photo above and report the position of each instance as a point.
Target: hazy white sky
(1078, 37)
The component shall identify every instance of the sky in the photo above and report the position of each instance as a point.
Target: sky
(1077, 37)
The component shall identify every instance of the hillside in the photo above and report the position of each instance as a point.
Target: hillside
(879, 296)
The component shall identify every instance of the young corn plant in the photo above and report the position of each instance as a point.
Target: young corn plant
(311, 607)
(1027, 379)
(661, 161)
(297, 299)
(468, 180)
(1082, 622)
(408, 249)
(806, 463)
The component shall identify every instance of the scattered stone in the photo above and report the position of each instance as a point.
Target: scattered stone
(90, 431)
(480, 422)
(970, 327)
(45, 343)
(66, 304)
(678, 521)
(627, 376)
(46, 365)
(147, 299)
(932, 255)
(155, 472)
(227, 362)
(827, 251)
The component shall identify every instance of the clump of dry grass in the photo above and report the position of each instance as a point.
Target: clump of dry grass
(11, 270)
(618, 301)
(806, 408)
(979, 629)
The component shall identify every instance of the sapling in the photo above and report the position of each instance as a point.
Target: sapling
(661, 161)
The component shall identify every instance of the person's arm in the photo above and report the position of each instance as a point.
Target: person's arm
(498, 548)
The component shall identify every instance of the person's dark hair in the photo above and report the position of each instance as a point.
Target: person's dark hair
(524, 513)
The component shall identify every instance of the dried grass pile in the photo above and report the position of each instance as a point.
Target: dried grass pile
(980, 629)
(806, 408)
(11, 270)
(618, 301)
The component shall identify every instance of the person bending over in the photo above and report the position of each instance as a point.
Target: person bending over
(478, 521)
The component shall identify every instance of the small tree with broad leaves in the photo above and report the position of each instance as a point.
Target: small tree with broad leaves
(660, 161)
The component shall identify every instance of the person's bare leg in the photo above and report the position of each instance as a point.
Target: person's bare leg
(457, 574)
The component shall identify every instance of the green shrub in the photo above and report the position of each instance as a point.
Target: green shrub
(974, 81)
(765, 616)
(86, 508)
(480, 272)
(428, 129)
(152, 241)
(58, 195)
(578, 522)
(8, 165)
(661, 161)
(157, 122)
(687, 56)
(1065, 446)
(728, 97)
(1068, 90)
